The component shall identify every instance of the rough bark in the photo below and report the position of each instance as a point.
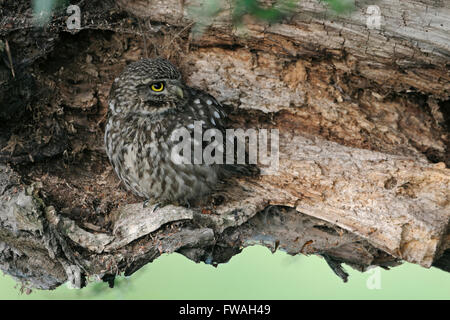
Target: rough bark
(363, 117)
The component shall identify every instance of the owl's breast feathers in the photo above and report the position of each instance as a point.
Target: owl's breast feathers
(139, 146)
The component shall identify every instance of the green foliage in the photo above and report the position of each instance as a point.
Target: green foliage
(340, 6)
(43, 9)
(204, 11)
(272, 14)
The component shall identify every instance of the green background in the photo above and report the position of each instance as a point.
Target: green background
(256, 273)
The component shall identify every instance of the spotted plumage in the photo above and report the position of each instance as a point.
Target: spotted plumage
(147, 102)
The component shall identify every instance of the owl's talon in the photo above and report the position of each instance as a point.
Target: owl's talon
(147, 203)
(157, 206)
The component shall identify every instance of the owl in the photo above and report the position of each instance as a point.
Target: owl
(147, 103)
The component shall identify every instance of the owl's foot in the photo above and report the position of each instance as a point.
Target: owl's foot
(162, 204)
(156, 205)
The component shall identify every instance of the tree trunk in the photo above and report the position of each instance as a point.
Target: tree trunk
(363, 117)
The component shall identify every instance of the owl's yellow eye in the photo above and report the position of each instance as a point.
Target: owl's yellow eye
(158, 87)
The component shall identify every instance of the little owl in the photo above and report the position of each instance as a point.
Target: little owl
(147, 102)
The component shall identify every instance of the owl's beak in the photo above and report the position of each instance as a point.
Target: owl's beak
(178, 91)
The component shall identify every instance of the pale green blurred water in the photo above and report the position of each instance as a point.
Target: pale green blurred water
(254, 274)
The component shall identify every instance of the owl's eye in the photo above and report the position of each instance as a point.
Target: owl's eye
(158, 86)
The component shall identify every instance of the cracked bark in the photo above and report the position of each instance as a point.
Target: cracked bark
(363, 117)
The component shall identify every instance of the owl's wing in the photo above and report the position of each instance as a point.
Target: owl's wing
(201, 106)
(206, 108)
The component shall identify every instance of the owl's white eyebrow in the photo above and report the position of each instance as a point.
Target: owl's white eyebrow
(147, 81)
